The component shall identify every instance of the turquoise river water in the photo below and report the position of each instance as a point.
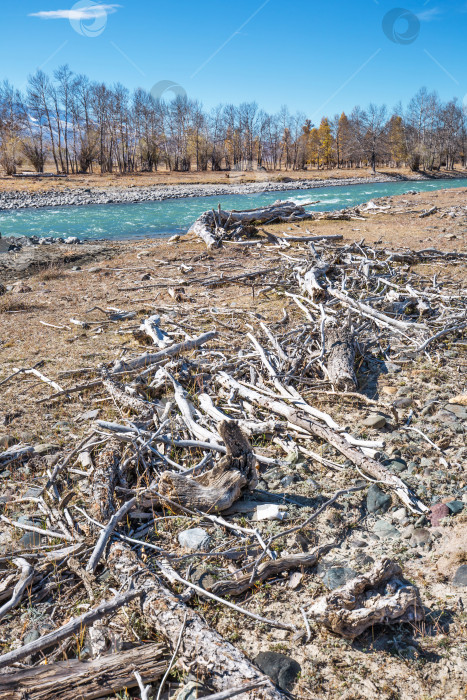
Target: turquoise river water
(165, 218)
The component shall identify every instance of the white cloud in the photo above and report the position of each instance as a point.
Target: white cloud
(429, 15)
(83, 13)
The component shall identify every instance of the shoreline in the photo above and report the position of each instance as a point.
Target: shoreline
(84, 196)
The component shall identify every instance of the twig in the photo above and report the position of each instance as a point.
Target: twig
(172, 660)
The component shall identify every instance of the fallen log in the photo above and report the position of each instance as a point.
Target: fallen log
(218, 488)
(340, 347)
(73, 679)
(224, 665)
(378, 596)
(212, 227)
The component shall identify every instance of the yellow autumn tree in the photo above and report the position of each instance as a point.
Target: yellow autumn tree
(326, 141)
(396, 139)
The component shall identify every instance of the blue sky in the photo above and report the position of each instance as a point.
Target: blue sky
(316, 57)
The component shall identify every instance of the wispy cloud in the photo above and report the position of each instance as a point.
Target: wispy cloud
(80, 14)
(429, 15)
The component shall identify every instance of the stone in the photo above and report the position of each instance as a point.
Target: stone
(88, 415)
(375, 421)
(460, 577)
(337, 576)
(195, 538)
(282, 669)
(421, 537)
(289, 480)
(407, 532)
(405, 402)
(459, 412)
(31, 637)
(391, 367)
(460, 400)
(396, 465)
(203, 577)
(400, 514)
(192, 691)
(385, 530)
(377, 501)
(437, 512)
(31, 539)
(72, 240)
(268, 511)
(455, 507)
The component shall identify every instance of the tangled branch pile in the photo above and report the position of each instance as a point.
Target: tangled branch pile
(201, 423)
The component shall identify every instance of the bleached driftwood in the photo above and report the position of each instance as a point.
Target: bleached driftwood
(151, 358)
(340, 348)
(25, 579)
(151, 326)
(73, 679)
(213, 226)
(217, 488)
(378, 596)
(313, 282)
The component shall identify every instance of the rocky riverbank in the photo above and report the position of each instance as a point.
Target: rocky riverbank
(16, 199)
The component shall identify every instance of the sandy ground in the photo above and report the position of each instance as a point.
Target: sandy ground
(162, 177)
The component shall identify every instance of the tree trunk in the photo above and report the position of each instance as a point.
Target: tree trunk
(340, 346)
(70, 680)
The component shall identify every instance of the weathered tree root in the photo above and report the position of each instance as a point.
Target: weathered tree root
(378, 596)
(218, 488)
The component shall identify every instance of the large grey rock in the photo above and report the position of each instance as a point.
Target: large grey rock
(280, 668)
(458, 411)
(460, 577)
(377, 501)
(385, 530)
(375, 421)
(455, 506)
(196, 538)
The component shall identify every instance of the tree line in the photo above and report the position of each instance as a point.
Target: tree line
(80, 126)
